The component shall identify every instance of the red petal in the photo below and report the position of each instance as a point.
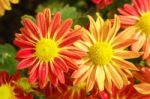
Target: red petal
(62, 64)
(33, 74)
(47, 14)
(41, 21)
(31, 27)
(58, 73)
(72, 64)
(25, 63)
(42, 74)
(55, 23)
(76, 35)
(25, 53)
(64, 28)
(53, 78)
(23, 44)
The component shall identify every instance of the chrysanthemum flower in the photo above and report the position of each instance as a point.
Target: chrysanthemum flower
(47, 48)
(127, 92)
(8, 88)
(104, 61)
(6, 5)
(137, 15)
(144, 77)
(102, 3)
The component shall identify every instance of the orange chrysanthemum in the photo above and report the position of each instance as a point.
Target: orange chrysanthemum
(144, 77)
(137, 15)
(104, 61)
(46, 48)
(8, 88)
(5, 5)
(102, 3)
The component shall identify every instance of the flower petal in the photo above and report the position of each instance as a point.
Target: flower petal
(25, 63)
(143, 88)
(25, 53)
(100, 77)
(42, 74)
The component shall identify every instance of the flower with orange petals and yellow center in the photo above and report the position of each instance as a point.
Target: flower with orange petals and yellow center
(137, 16)
(103, 63)
(5, 5)
(47, 48)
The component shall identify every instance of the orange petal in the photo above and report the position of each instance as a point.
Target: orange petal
(123, 64)
(78, 73)
(143, 88)
(91, 79)
(116, 78)
(127, 54)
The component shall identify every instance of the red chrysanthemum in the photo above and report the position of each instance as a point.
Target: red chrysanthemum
(47, 48)
(127, 92)
(9, 89)
(137, 16)
(102, 3)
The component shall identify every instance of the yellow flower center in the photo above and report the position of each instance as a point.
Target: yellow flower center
(144, 23)
(46, 49)
(6, 92)
(101, 53)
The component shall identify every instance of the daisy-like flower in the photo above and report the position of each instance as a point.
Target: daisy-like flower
(105, 53)
(47, 48)
(144, 77)
(6, 5)
(102, 3)
(127, 92)
(8, 88)
(137, 16)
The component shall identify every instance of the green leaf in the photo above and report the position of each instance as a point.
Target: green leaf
(7, 58)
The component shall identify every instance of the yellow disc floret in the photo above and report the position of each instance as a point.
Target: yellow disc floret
(100, 53)
(144, 23)
(46, 49)
(6, 92)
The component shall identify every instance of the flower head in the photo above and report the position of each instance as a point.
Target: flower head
(104, 61)
(102, 3)
(137, 16)
(47, 48)
(5, 5)
(8, 88)
(127, 92)
(143, 76)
